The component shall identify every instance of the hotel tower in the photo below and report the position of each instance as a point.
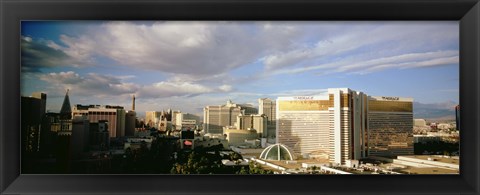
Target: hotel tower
(345, 124)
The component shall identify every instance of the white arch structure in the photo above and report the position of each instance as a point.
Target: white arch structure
(267, 150)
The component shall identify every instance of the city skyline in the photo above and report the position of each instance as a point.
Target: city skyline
(189, 65)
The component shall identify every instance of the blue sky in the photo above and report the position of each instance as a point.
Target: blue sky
(188, 65)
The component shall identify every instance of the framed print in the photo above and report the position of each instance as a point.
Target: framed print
(210, 96)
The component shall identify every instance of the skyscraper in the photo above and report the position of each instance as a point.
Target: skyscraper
(345, 124)
(133, 103)
(390, 126)
(130, 118)
(43, 101)
(217, 117)
(33, 112)
(257, 122)
(267, 107)
(152, 118)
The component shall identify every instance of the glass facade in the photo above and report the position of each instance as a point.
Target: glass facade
(313, 105)
(305, 105)
(390, 128)
(389, 106)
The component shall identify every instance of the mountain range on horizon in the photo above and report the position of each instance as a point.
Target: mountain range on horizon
(444, 111)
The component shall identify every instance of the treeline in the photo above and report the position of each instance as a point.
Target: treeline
(209, 161)
(164, 158)
(437, 147)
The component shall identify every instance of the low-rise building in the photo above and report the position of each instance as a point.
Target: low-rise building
(207, 141)
(238, 137)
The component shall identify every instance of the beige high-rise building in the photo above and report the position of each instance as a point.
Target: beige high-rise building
(344, 124)
(253, 121)
(217, 117)
(152, 118)
(267, 107)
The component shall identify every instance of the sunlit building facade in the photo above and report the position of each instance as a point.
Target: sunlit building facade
(345, 124)
(152, 118)
(217, 117)
(237, 137)
(257, 122)
(390, 127)
(267, 107)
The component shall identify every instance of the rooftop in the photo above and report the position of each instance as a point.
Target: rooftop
(451, 160)
(298, 163)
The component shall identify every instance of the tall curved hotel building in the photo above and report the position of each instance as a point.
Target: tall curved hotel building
(345, 124)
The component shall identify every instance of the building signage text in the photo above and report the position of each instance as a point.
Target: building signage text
(390, 98)
(303, 97)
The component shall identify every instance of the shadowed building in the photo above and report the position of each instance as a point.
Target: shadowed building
(130, 118)
(48, 136)
(80, 136)
(267, 107)
(32, 115)
(115, 115)
(64, 136)
(99, 136)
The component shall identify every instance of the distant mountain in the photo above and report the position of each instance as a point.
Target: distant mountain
(434, 112)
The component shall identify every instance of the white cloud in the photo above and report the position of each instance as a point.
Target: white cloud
(191, 48)
(81, 48)
(197, 51)
(27, 39)
(363, 43)
(409, 60)
(226, 88)
(99, 85)
(38, 53)
(92, 84)
(285, 59)
(69, 77)
(172, 89)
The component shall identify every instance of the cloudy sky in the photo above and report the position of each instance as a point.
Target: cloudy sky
(188, 65)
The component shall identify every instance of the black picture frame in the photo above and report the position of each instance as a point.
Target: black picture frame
(465, 11)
